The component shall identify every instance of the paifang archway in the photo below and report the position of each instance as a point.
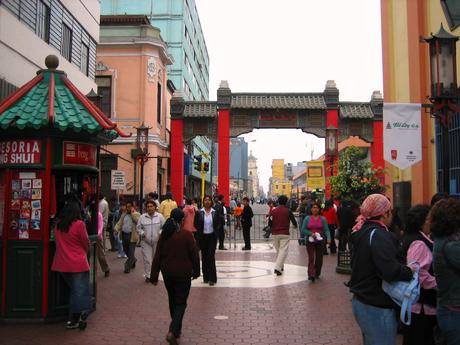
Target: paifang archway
(237, 113)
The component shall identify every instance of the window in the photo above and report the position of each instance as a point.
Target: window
(84, 58)
(66, 42)
(43, 21)
(159, 99)
(104, 88)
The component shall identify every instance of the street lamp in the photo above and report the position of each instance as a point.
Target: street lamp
(444, 94)
(142, 146)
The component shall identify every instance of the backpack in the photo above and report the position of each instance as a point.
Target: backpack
(405, 294)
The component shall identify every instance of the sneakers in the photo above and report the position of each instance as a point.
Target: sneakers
(278, 273)
(80, 324)
(71, 325)
(122, 256)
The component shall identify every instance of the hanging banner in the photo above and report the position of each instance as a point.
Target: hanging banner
(402, 134)
(315, 175)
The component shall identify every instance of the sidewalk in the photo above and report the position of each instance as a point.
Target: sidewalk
(289, 310)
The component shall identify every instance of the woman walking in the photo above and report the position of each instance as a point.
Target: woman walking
(444, 222)
(177, 259)
(417, 246)
(371, 262)
(207, 224)
(72, 245)
(315, 229)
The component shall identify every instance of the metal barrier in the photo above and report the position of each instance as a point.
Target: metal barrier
(259, 221)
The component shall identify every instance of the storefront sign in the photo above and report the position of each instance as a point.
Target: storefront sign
(79, 153)
(315, 175)
(402, 134)
(23, 152)
(117, 179)
(277, 120)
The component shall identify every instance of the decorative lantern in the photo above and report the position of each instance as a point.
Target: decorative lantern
(332, 147)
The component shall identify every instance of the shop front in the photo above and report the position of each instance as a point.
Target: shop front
(49, 148)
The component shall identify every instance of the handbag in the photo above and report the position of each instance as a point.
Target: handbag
(405, 294)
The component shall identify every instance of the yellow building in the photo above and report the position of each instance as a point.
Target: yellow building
(281, 187)
(406, 77)
(278, 168)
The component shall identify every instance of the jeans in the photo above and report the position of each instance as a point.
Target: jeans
(378, 325)
(121, 252)
(80, 296)
(178, 291)
(449, 323)
(129, 248)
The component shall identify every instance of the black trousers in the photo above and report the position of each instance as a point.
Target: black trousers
(208, 257)
(332, 246)
(247, 236)
(129, 248)
(420, 331)
(221, 238)
(178, 291)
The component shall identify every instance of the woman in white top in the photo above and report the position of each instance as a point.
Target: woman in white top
(207, 232)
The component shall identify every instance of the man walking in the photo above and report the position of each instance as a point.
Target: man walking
(167, 205)
(246, 223)
(149, 228)
(281, 216)
(127, 227)
(220, 212)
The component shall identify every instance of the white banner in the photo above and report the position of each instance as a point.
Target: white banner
(117, 180)
(402, 134)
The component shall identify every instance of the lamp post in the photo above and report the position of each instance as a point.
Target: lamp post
(332, 147)
(444, 94)
(142, 146)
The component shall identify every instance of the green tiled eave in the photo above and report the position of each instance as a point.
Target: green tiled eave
(31, 111)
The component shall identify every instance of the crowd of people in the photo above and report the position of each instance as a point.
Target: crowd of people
(383, 248)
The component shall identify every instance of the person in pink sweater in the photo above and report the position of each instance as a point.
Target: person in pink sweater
(70, 260)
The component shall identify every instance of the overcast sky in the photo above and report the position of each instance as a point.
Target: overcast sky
(292, 46)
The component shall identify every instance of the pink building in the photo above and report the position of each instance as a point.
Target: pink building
(132, 80)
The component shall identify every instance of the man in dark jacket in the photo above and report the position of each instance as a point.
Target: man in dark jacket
(220, 212)
(246, 223)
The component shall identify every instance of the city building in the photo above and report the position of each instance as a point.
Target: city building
(253, 187)
(32, 30)
(200, 147)
(407, 79)
(279, 184)
(239, 167)
(132, 78)
(180, 27)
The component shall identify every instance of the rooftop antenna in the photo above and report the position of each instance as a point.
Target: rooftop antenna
(151, 11)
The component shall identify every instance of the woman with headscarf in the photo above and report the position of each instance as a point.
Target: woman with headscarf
(371, 262)
(177, 258)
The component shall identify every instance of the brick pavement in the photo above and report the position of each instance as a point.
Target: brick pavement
(131, 312)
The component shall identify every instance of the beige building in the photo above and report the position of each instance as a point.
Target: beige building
(253, 175)
(132, 79)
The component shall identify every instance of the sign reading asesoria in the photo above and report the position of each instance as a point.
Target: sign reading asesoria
(402, 134)
(20, 152)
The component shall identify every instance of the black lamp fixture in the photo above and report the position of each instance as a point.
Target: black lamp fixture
(142, 146)
(444, 92)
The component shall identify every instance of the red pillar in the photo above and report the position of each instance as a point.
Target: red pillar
(177, 160)
(223, 137)
(377, 146)
(332, 120)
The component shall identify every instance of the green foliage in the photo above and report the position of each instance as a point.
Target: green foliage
(356, 179)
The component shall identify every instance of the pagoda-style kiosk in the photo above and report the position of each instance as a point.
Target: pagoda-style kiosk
(50, 135)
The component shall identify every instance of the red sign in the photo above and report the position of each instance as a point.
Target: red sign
(25, 152)
(79, 153)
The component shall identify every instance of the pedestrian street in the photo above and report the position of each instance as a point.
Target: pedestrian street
(248, 305)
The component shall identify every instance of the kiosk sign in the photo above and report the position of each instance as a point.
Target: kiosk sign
(117, 179)
(20, 152)
(79, 153)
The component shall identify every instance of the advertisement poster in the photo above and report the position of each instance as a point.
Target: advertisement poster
(315, 175)
(402, 134)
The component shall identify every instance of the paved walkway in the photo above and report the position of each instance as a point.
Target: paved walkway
(288, 310)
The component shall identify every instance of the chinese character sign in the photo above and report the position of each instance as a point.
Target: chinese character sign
(402, 134)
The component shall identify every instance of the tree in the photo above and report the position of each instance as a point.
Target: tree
(356, 178)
